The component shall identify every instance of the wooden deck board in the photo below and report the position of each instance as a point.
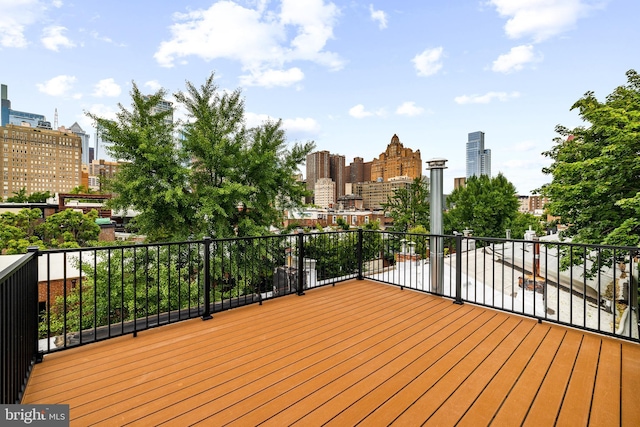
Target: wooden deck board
(357, 352)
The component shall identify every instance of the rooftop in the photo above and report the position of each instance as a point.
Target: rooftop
(357, 352)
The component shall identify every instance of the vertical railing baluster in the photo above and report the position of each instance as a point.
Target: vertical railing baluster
(158, 285)
(300, 262)
(458, 295)
(360, 260)
(206, 315)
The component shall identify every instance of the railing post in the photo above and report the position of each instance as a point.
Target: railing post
(36, 253)
(359, 252)
(300, 284)
(207, 278)
(458, 296)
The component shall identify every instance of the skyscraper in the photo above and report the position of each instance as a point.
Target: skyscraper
(75, 128)
(478, 159)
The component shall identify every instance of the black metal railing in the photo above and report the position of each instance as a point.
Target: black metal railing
(590, 287)
(92, 294)
(18, 326)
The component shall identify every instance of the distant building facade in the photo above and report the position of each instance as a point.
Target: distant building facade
(324, 193)
(396, 161)
(359, 170)
(459, 182)
(532, 204)
(163, 106)
(84, 137)
(323, 164)
(39, 160)
(313, 217)
(478, 158)
(99, 170)
(375, 194)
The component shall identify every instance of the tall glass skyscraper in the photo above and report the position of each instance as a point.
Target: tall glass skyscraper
(478, 159)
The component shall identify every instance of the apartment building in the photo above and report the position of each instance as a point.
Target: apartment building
(39, 159)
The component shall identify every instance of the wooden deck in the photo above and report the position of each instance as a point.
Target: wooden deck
(359, 352)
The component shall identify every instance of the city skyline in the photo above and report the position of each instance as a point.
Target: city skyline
(344, 74)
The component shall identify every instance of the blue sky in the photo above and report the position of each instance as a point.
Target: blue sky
(345, 74)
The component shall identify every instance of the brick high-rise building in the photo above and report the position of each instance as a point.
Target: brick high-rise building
(396, 161)
(38, 159)
(359, 171)
(336, 173)
(323, 164)
(318, 166)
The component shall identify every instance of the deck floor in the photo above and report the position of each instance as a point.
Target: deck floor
(359, 352)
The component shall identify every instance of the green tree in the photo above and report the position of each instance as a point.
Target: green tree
(242, 179)
(152, 177)
(409, 207)
(18, 231)
(521, 223)
(222, 179)
(595, 186)
(485, 205)
(18, 197)
(342, 224)
(81, 189)
(39, 197)
(70, 229)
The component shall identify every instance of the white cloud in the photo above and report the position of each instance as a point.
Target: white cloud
(359, 112)
(378, 16)
(154, 85)
(53, 38)
(296, 128)
(486, 98)
(301, 125)
(263, 41)
(541, 19)
(516, 59)
(107, 88)
(57, 86)
(57, 3)
(410, 109)
(428, 62)
(271, 78)
(15, 16)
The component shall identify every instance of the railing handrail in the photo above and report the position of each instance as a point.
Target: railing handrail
(209, 275)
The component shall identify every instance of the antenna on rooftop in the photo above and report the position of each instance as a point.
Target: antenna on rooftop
(55, 119)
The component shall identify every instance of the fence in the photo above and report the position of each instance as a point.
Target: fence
(18, 326)
(91, 294)
(591, 287)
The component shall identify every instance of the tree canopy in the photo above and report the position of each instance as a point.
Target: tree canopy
(595, 186)
(36, 197)
(486, 205)
(66, 229)
(409, 207)
(218, 178)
